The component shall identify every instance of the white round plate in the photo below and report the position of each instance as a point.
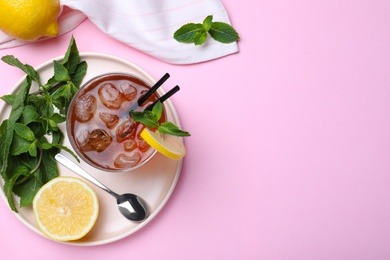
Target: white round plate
(154, 182)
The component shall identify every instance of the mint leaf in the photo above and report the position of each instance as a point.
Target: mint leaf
(38, 101)
(4, 152)
(57, 138)
(78, 75)
(27, 190)
(30, 71)
(223, 32)
(171, 129)
(200, 37)
(9, 99)
(30, 114)
(187, 32)
(71, 58)
(9, 185)
(207, 23)
(146, 118)
(48, 146)
(157, 111)
(46, 171)
(54, 121)
(48, 168)
(19, 145)
(24, 131)
(32, 149)
(62, 96)
(60, 72)
(7, 131)
(58, 119)
(20, 99)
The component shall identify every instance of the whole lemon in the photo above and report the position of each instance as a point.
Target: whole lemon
(29, 20)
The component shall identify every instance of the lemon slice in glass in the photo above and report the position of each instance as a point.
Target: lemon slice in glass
(169, 145)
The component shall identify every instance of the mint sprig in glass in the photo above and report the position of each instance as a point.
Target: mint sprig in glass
(151, 118)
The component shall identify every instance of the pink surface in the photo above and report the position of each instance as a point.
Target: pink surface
(289, 154)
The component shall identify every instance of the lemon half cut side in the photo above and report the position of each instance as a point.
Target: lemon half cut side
(65, 208)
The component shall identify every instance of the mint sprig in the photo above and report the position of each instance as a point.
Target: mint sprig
(197, 32)
(30, 136)
(151, 119)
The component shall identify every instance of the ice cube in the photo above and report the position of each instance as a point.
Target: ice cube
(129, 145)
(110, 96)
(126, 161)
(125, 131)
(109, 119)
(143, 146)
(85, 107)
(128, 90)
(82, 141)
(99, 140)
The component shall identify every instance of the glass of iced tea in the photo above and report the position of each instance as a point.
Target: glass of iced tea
(100, 128)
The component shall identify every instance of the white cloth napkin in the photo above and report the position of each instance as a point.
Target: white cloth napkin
(146, 25)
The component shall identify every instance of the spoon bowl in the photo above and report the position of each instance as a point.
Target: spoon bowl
(130, 205)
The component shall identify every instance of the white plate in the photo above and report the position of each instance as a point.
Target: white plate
(154, 181)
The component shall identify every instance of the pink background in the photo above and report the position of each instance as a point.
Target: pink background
(289, 154)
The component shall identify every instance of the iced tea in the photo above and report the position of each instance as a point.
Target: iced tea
(99, 125)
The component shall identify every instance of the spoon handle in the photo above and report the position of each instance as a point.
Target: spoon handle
(80, 171)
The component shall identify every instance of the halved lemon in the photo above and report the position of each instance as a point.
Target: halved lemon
(169, 145)
(65, 208)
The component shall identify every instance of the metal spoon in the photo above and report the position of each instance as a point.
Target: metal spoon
(131, 206)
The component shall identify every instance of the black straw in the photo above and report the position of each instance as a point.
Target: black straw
(165, 96)
(153, 89)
